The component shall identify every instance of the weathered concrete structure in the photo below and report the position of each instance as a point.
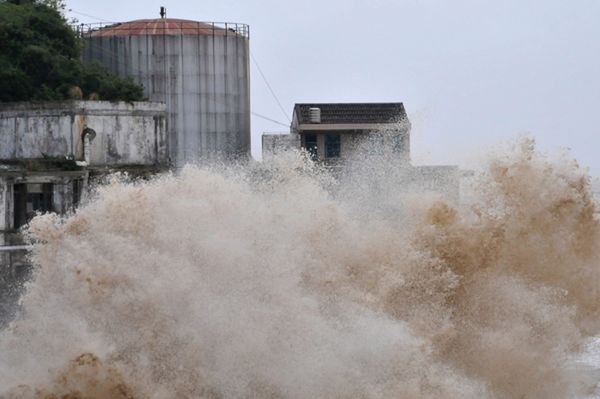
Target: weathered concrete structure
(355, 139)
(119, 133)
(333, 132)
(199, 70)
(49, 150)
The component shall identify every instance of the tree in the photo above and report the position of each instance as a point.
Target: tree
(40, 57)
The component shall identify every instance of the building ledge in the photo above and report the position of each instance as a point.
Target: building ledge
(43, 165)
(316, 127)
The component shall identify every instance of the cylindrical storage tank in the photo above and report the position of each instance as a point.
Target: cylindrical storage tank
(199, 69)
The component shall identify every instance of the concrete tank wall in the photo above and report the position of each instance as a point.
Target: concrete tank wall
(203, 79)
(125, 134)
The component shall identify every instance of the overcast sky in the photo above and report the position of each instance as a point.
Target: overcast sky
(470, 73)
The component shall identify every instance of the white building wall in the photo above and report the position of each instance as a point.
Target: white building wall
(126, 133)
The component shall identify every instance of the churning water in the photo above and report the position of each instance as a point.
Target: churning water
(270, 282)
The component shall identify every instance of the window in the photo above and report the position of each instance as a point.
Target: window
(398, 144)
(29, 199)
(77, 188)
(376, 144)
(332, 145)
(310, 145)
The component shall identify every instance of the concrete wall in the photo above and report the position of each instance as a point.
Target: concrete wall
(125, 133)
(352, 144)
(358, 144)
(5, 207)
(441, 179)
(359, 158)
(272, 144)
(63, 198)
(203, 79)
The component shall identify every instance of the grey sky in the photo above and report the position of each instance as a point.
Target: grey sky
(470, 73)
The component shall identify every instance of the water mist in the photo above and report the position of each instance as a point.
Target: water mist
(279, 281)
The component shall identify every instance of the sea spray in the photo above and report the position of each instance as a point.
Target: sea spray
(274, 281)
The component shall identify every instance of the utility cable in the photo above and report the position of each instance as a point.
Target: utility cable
(270, 88)
(89, 16)
(115, 58)
(269, 119)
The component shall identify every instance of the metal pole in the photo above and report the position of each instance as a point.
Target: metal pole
(16, 248)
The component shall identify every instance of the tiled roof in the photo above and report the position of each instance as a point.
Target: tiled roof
(353, 112)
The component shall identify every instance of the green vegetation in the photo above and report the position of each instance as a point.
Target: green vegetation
(44, 163)
(47, 163)
(40, 58)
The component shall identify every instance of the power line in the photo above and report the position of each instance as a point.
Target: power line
(270, 88)
(115, 57)
(269, 119)
(89, 16)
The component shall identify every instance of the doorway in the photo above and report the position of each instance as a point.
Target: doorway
(30, 198)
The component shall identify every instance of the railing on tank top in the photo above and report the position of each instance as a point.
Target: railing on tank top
(173, 28)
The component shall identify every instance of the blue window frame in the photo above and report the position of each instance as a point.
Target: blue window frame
(332, 145)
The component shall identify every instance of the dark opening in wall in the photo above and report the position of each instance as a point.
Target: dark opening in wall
(332, 145)
(77, 189)
(310, 144)
(30, 198)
